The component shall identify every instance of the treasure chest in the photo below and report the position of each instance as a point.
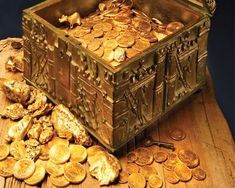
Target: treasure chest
(117, 100)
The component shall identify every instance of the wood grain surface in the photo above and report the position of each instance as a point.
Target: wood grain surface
(207, 134)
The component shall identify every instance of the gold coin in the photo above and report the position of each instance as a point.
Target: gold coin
(110, 44)
(4, 151)
(171, 177)
(160, 36)
(6, 167)
(132, 168)
(125, 40)
(111, 34)
(41, 162)
(37, 176)
(74, 172)
(170, 164)
(131, 157)
(189, 158)
(141, 45)
(160, 156)
(177, 134)
(94, 45)
(173, 27)
(57, 140)
(150, 36)
(80, 32)
(123, 177)
(108, 55)
(142, 25)
(24, 168)
(146, 171)
(183, 172)
(104, 26)
(155, 181)
(144, 156)
(130, 52)
(44, 152)
(97, 33)
(136, 180)
(59, 181)
(87, 39)
(122, 20)
(54, 169)
(99, 51)
(59, 153)
(199, 174)
(78, 153)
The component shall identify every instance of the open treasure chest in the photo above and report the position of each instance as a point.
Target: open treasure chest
(119, 65)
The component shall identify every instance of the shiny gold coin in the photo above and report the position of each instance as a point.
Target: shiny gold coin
(37, 176)
(41, 162)
(144, 156)
(199, 174)
(125, 40)
(54, 169)
(111, 34)
(24, 168)
(136, 180)
(141, 45)
(183, 172)
(142, 26)
(123, 177)
(177, 134)
(59, 181)
(97, 33)
(132, 168)
(74, 172)
(110, 44)
(104, 26)
(58, 140)
(160, 156)
(170, 164)
(59, 153)
(6, 167)
(87, 38)
(173, 27)
(108, 55)
(44, 152)
(131, 157)
(94, 45)
(4, 151)
(78, 153)
(146, 171)
(155, 181)
(99, 51)
(189, 158)
(130, 52)
(171, 177)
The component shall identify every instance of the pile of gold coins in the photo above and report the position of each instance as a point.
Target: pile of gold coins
(116, 31)
(180, 166)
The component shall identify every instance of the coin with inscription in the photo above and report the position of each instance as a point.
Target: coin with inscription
(97, 33)
(74, 172)
(199, 174)
(108, 55)
(160, 156)
(155, 181)
(171, 176)
(177, 134)
(144, 156)
(136, 180)
(189, 158)
(111, 34)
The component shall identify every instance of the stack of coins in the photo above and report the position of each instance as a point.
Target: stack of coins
(117, 32)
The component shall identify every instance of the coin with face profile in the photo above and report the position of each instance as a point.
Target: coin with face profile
(160, 156)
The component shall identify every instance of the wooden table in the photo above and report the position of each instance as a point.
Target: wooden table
(208, 135)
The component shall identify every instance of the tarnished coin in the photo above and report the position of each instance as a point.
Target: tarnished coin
(59, 181)
(142, 25)
(99, 51)
(123, 177)
(144, 156)
(177, 134)
(136, 180)
(44, 153)
(74, 172)
(16, 45)
(58, 140)
(37, 176)
(104, 26)
(171, 176)
(189, 158)
(141, 45)
(146, 171)
(155, 181)
(173, 27)
(130, 52)
(110, 44)
(4, 151)
(59, 153)
(78, 153)
(199, 174)
(108, 55)
(131, 157)
(132, 168)
(125, 40)
(160, 156)
(119, 54)
(54, 169)
(183, 172)
(6, 167)
(111, 34)
(24, 168)
(94, 45)
(97, 33)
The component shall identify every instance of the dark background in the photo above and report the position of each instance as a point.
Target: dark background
(221, 47)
